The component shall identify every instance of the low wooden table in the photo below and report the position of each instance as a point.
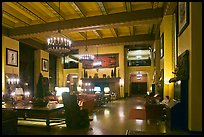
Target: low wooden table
(34, 111)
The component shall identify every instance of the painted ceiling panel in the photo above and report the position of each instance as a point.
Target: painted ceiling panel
(123, 31)
(114, 7)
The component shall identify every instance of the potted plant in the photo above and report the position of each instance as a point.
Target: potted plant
(40, 96)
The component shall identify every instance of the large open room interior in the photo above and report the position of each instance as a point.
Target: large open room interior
(101, 68)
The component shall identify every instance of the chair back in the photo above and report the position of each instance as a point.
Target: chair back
(75, 118)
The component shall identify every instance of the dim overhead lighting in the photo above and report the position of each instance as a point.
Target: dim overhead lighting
(59, 44)
(86, 57)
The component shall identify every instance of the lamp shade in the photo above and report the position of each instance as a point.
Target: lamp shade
(106, 90)
(19, 91)
(60, 90)
(97, 89)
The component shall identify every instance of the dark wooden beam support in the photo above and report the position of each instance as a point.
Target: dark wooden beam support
(33, 43)
(127, 6)
(90, 23)
(102, 8)
(98, 33)
(77, 9)
(124, 40)
(5, 31)
(30, 11)
(114, 31)
(56, 9)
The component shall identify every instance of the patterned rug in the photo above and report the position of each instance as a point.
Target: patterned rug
(135, 132)
(137, 114)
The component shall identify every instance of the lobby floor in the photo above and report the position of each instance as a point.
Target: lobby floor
(110, 119)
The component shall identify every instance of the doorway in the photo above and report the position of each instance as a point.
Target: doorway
(138, 88)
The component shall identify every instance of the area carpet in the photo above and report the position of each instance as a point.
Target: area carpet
(135, 132)
(137, 114)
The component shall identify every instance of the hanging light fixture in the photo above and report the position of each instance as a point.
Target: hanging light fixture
(59, 44)
(97, 62)
(85, 58)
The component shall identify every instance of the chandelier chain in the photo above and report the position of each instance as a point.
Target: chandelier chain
(59, 44)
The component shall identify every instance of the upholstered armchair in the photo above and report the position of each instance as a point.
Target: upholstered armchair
(75, 117)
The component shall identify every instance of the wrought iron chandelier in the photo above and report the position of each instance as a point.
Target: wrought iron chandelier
(85, 58)
(59, 44)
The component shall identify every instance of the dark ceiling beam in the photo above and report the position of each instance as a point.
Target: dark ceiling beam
(83, 35)
(91, 23)
(102, 8)
(5, 31)
(131, 29)
(30, 11)
(124, 40)
(114, 31)
(98, 33)
(138, 47)
(127, 6)
(56, 9)
(9, 10)
(7, 23)
(12, 16)
(33, 43)
(77, 9)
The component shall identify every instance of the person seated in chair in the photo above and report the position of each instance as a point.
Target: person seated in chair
(75, 117)
(165, 100)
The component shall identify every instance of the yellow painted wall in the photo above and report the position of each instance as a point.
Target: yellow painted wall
(11, 44)
(44, 55)
(108, 50)
(191, 39)
(133, 70)
(39, 54)
(69, 71)
(60, 73)
(167, 61)
(93, 50)
(157, 63)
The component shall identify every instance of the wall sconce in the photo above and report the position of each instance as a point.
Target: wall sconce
(79, 89)
(121, 83)
(13, 80)
(80, 82)
(27, 94)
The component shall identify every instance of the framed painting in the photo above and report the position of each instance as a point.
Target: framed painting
(45, 64)
(106, 61)
(183, 16)
(11, 57)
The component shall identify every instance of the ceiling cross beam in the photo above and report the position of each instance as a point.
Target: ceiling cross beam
(144, 39)
(127, 6)
(77, 9)
(147, 16)
(98, 33)
(56, 9)
(102, 8)
(29, 11)
(114, 31)
(124, 40)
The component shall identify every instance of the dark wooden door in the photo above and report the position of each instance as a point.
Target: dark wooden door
(138, 88)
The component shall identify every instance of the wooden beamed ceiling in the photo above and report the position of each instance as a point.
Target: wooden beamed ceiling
(106, 23)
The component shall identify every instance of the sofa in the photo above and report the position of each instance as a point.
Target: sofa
(9, 122)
